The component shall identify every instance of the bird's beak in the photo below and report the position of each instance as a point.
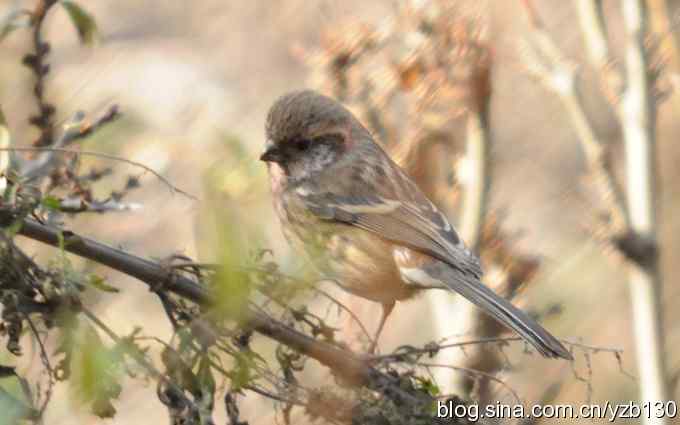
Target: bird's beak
(271, 154)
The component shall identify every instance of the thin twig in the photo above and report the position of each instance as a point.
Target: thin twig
(430, 348)
(214, 266)
(46, 362)
(476, 373)
(75, 129)
(559, 75)
(73, 205)
(165, 181)
(321, 292)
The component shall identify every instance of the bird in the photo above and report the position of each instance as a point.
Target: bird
(364, 223)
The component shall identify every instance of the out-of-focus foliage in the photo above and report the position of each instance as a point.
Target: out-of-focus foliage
(84, 23)
(95, 368)
(235, 236)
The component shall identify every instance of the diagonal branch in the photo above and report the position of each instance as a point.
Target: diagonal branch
(558, 74)
(344, 363)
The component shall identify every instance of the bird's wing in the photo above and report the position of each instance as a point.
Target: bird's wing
(416, 224)
(399, 212)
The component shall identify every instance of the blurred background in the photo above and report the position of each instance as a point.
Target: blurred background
(194, 81)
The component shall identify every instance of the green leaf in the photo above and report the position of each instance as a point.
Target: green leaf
(82, 20)
(96, 371)
(428, 385)
(50, 202)
(205, 376)
(67, 323)
(99, 283)
(241, 375)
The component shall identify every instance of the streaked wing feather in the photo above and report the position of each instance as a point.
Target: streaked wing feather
(424, 230)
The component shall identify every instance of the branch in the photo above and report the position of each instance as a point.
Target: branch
(476, 181)
(548, 65)
(73, 205)
(35, 61)
(637, 114)
(592, 20)
(110, 157)
(404, 352)
(77, 128)
(591, 14)
(478, 177)
(344, 363)
(632, 224)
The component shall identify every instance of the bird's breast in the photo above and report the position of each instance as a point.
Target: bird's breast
(277, 178)
(361, 262)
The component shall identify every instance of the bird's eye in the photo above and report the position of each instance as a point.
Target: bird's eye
(333, 139)
(302, 145)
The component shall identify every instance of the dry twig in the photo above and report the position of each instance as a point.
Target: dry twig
(631, 228)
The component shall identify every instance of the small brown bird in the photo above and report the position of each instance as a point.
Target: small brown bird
(363, 221)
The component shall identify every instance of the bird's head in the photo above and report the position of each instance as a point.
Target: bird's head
(307, 133)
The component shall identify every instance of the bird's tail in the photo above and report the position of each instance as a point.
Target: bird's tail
(511, 316)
